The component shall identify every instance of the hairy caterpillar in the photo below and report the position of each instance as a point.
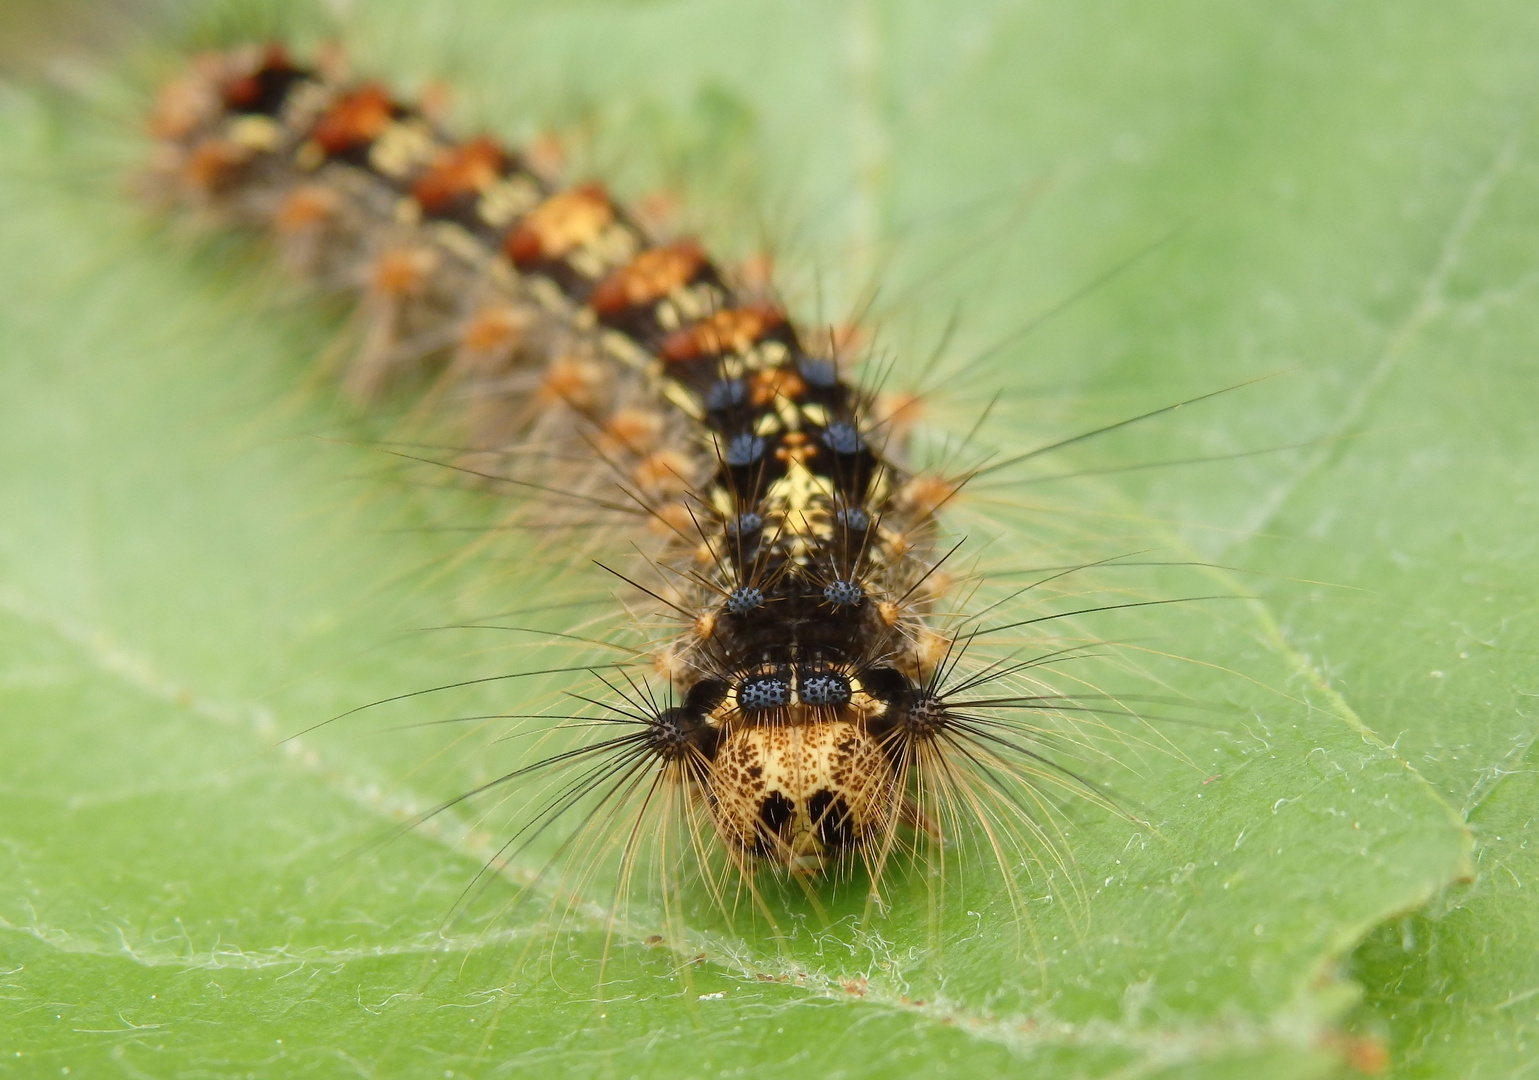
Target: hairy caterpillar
(819, 708)
(1272, 858)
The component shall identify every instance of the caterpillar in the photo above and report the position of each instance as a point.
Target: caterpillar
(807, 694)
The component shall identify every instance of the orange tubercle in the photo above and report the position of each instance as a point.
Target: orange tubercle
(467, 169)
(925, 494)
(648, 277)
(355, 120)
(638, 430)
(303, 208)
(664, 472)
(766, 385)
(574, 380)
(673, 518)
(493, 329)
(181, 106)
(214, 164)
(401, 271)
(732, 331)
(567, 220)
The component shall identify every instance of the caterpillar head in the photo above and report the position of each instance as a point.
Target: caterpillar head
(800, 766)
(801, 793)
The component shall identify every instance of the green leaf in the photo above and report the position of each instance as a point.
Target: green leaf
(1176, 199)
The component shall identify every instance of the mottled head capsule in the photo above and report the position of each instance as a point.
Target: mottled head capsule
(842, 437)
(743, 450)
(843, 593)
(824, 688)
(745, 598)
(853, 519)
(817, 372)
(801, 794)
(724, 394)
(759, 692)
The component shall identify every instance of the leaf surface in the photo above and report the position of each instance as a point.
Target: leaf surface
(200, 558)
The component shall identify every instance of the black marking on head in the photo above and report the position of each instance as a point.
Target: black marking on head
(843, 593)
(745, 598)
(774, 813)
(824, 688)
(759, 692)
(831, 819)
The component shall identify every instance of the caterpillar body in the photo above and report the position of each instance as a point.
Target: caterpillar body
(813, 716)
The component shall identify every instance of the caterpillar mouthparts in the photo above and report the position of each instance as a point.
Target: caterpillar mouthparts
(808, 714)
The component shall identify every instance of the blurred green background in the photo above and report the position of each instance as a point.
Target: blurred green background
(1177, 197)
